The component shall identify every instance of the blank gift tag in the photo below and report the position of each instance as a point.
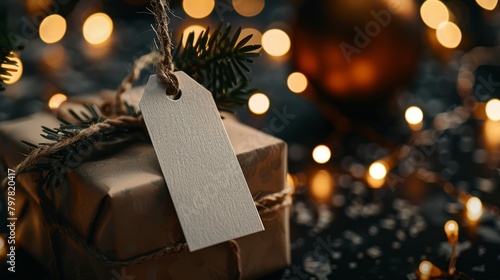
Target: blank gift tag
(204, 178)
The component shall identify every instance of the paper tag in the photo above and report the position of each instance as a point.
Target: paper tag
(204, 178)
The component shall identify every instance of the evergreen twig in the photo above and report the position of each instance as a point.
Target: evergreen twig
(218, 61)
(6, 47)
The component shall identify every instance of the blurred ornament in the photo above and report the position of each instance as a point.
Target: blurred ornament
(351, 48)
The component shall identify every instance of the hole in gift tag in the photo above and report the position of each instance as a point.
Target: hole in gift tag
(175, 96)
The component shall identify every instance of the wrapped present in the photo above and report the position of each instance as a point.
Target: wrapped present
(113, 218)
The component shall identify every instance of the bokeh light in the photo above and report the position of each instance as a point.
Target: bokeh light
(16, 73)
(434, 12)
(493, 109)
(197, 29)
(425, 268)
(321, 154)
(258, 103)
(97, 28)
(451, 230)
(474, 208)
(52, 29)
(449, 35)
(297, 82)
(450, 226)
(321, 186)
(275, 42)
(248, 8)
(491, 130)
(414, 115)
(487, 4)
(56, 100)
(198, 8)
(377, 170)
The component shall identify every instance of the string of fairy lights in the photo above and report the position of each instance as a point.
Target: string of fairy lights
(97, 31)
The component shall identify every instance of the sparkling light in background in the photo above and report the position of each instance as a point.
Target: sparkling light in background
(97, 28)
(377, 170)
(198, 8)
(291, 181)
(451, 230)
(321, 186)
(474, 208)
(297, 82)
(258, 103)
(493, 109)
(248, 8)
(56, 100)
(52, 29)
(425, 268)
(197, 29)
(414, 115)
(275, 42)
(321, 154)
(487, 4)
(16, 73)
(449, 35)
(434, 12)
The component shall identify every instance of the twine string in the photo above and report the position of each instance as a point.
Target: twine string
(164, 66)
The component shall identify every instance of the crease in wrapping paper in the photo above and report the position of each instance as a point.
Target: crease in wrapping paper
(108, 200)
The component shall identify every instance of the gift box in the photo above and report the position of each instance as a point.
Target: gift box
(116, 205)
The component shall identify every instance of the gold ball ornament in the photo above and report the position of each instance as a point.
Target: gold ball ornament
(356, 49)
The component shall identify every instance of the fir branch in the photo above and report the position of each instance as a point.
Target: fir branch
(218, 61)
(6, 46)
(4, 60)
(57, 162)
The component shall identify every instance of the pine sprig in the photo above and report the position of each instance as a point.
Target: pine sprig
(218, 61)
(6, 46)
(55, 165)
(4, 60)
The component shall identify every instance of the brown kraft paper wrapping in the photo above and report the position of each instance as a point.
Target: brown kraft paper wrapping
(119, 202)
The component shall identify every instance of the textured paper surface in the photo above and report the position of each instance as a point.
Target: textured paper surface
(203, 176)
(120, 203)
